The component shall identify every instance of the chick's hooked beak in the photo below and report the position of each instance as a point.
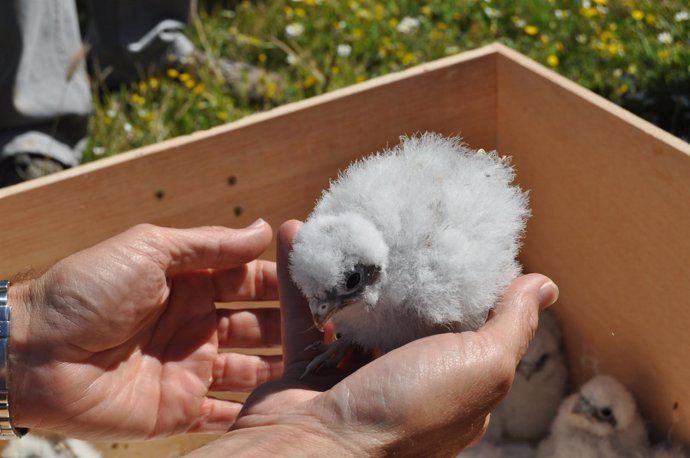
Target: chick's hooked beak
(323, 310)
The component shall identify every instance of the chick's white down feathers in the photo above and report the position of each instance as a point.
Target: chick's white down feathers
(601, 420)
(538, 388)
(437, 225)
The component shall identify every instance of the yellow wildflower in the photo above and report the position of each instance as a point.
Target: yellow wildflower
(154, 83)
(310, 2)
(270, 90)
(288, 11)
(360, 78)
(300, 12)
(623, 88)
(137, 99)
(426, 10)
(531, 30)
(189, 84)
(605, 35)
(107, 121)
(650, 19)
(364, 14)
(143, 87)
(632, 69)
(552, 60)
(335, 70)
(150, 117)
(544, 39)
(392, 23)
(601, 2)
(309, 81)
(663, 55)
(637, 15)
(615, 49)
(379, 11)
(184, 77)
(408, 58)
(263, 57)
(559, 46)
(221, 115)
(358, 33)
(199, 88)
(589, 12)
(172, 73)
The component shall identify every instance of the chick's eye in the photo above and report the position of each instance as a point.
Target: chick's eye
(606, 412)
(353, 280)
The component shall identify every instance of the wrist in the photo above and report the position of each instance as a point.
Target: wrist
(18, 361)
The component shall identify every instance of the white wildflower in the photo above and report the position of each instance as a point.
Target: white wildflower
(665, 38)
(681, 16)
(128, 127)
(452, 50)
(291, 59)
(98, 150)
(520, 23)
(294, 30)
(408, 25)
(581, 38)
(560, 14)
(342, 25)
(110, 113)
(602, 9)
(491, 12)
(586, 4)
(344, 50)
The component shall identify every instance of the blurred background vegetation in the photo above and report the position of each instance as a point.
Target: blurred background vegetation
(633, 52)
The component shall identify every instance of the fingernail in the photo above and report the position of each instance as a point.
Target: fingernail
(256, 224)
(548, 294)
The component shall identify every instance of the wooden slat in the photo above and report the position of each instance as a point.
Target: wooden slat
(611, 201)
(281, 160)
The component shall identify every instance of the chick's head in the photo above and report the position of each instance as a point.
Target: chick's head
(603, 407)
(543, 350)
(337, 261)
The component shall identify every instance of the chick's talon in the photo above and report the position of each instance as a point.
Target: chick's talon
(331, 355)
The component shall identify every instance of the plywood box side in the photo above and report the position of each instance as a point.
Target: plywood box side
(610, 197)
(279, 161)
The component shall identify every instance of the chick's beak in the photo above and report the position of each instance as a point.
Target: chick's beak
(526, 369)
(322, 311)
(583, 406)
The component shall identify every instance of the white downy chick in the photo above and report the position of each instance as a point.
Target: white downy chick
(538, 388)
(413, 241)
(34, 446)
(488, 450)
(601, 420)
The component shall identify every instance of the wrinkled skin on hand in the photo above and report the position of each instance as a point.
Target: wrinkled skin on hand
(122, 340)
(431, 397)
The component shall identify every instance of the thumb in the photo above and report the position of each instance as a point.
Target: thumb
(516, 316)
(297, 326)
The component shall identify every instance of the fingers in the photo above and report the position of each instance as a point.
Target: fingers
(236, 372)
(254, 281)
(248, 328)
(516, 316)
(297, 326)
(211, 247)
(216, 416)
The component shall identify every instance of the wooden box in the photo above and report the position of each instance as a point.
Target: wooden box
(610, 195)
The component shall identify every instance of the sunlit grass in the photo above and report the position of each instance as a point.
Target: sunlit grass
(635, 53)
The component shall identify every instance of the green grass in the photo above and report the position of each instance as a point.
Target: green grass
(636, 53)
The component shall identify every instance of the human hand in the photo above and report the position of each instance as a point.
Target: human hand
(430, 397)
(122, 340)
